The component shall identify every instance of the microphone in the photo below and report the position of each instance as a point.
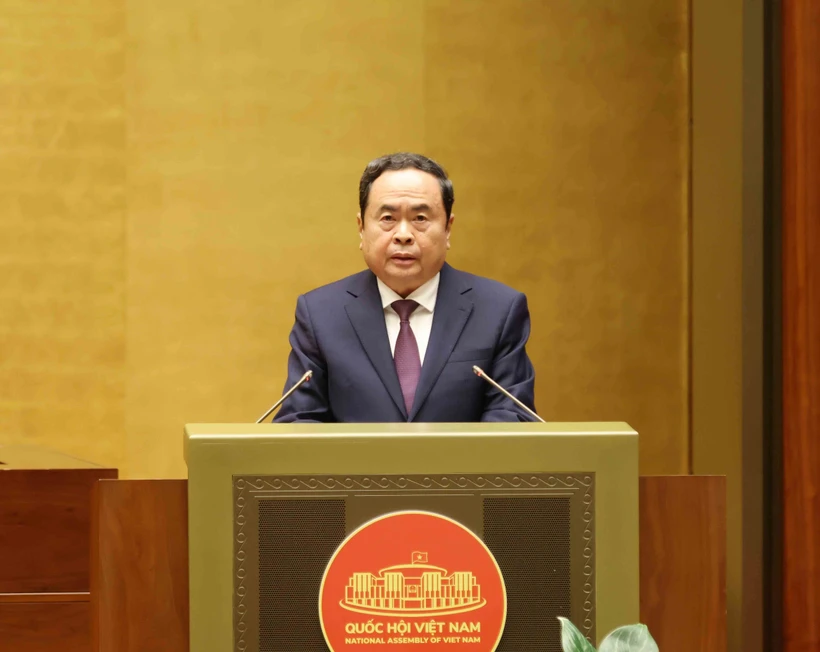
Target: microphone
(482, 374)
(307, 376)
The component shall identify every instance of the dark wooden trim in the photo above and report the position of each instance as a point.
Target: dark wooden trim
(45, 597)
(801, 323)
(683, 561)
(772, 330)
(45, 627)
(139, 566)
(45, 517)
(95, 567)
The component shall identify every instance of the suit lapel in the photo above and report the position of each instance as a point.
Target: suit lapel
(452, 310)
(364, 309)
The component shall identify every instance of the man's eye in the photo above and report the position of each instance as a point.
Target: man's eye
(387, 218)
(421, 218)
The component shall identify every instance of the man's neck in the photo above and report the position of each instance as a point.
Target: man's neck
(425, 294)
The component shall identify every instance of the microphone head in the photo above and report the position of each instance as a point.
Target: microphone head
(478, 371)
(305, 377)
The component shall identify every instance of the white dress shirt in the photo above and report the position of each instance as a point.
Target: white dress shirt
(421, 321)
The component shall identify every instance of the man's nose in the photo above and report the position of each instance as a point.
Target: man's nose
(403, 234)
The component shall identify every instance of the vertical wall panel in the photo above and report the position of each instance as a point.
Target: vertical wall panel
(62, 219)
(801, 325)
(250, 125)
(565, 127)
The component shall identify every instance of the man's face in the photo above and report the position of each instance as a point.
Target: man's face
(405, 232)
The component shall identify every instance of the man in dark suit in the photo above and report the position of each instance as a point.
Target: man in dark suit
(398, 342)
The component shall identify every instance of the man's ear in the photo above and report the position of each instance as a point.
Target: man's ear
(360, 224)
(449, 228)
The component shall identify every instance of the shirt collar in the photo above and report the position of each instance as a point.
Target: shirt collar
(425, 296)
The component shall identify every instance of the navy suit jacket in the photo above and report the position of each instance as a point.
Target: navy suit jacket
(340, 334)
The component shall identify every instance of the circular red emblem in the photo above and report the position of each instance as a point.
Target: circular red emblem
(413, 578)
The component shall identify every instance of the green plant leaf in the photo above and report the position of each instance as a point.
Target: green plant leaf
(573, 640)
(632, 638)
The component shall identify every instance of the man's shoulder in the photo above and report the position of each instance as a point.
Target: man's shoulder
(342, 287)
(486, 287)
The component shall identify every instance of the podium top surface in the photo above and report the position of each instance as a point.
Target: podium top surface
(226, 432)
(246, 437)
(31, 458)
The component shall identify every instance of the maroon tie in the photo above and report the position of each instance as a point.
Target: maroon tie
(406, 356)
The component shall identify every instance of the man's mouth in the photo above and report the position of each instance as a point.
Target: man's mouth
(404, 260)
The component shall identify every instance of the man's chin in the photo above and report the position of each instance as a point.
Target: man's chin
(404, 272)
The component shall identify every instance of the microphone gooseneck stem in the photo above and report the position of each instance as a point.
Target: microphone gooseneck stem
(299, 383)
(481, 374)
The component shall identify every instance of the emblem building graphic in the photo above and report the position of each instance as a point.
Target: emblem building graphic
(414, 589)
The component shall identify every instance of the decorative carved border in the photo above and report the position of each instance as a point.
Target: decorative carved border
(240, 611)
(393, 483)
(589, 605)
(261, 485)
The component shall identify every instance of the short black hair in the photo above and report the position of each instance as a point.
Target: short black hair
(402, 161)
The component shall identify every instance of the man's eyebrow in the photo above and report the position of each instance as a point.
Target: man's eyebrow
(390, 208)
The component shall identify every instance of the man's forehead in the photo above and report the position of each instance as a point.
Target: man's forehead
(407, 185)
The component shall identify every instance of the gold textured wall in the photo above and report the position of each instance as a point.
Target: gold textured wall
(62, 226)
(238, 133)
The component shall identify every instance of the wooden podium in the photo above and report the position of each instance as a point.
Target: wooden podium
(140, 580)
(45, 517)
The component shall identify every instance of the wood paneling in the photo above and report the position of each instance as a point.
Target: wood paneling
(45, 597)
(45, 627)
(683, 562)
(801, 324)
(45, 520)
(139, 573)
